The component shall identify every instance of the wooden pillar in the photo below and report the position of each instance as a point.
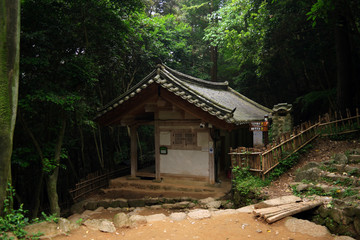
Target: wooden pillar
(133, 131)
(157, 148)
(211, 160)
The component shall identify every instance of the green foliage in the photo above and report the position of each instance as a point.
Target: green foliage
(50, 164)
(320, 9)
(310, 101)
(14, 221)
(46, 218)
(246, 187)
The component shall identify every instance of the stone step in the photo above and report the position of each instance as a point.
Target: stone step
(143, 193)
(165, 185)
(354, 158)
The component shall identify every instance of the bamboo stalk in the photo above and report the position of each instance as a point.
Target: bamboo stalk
(286, 214)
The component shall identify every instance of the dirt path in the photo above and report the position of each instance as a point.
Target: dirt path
(225, 227)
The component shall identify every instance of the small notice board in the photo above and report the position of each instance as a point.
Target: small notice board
(259, 126)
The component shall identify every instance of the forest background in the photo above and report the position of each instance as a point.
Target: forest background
(77, 55)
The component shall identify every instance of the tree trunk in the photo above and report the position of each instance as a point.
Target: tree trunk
(51, 180)
(9, 83)
(343, 59)
(214, 60)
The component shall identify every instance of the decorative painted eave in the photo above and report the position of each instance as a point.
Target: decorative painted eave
(197, 92)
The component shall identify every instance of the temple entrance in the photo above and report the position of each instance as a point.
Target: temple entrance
(146, 151)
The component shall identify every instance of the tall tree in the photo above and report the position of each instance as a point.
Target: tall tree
(9, 82)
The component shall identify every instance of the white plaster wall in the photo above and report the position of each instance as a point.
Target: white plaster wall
(186, 162)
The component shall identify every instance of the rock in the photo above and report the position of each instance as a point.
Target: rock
(181, 205)
(246, 209)
(155, 217)
(323, 212)
(324, 187)
(86, 214)
(111, 209)
(91, 205)
(103, 225)
(339, 167)
(351, 170)
(75, 218)
(312, 174)
(199, 214)
(151, 201)
(167, 206)
(343, 238)
(155, 207)
(213, 205)
(120, 202)
(107, 226)
(227, 204)
(206, 200)
(339, 217)
(179, 216)
(306, 227)
(310, 165)
(341, 158)
(104, 203)
(46, 228)
(357, 225)
(122, 220)
(136, 203)
(299, 186)
(354, 158)
(78, 207)
(224, 212)
(64, 225)
(99, 209)
(93, 224)
(137, 220)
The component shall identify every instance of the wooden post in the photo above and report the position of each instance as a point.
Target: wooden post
(357, 116)
(133, 139)
(157, 148)
(336, 124)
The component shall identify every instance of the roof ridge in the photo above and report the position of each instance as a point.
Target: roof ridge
(218, 85)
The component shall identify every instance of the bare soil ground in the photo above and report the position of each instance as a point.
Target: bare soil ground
(235, 226)
(227, 227)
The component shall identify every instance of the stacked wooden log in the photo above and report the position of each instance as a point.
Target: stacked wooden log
(273, 214)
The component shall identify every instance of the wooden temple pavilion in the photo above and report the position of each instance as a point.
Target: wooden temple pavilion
(195, 122)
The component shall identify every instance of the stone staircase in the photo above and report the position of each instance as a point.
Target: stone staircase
(124, 187)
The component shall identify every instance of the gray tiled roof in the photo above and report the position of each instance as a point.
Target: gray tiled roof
(216, 98)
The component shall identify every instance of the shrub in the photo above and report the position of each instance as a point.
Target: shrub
(246, 187)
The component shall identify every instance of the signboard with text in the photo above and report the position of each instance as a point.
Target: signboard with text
(259, 126)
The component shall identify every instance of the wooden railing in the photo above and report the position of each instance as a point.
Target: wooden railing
(95, 181)
(262, 161)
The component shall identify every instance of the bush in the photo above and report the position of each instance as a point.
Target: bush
(246, 187)
(14, 221)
